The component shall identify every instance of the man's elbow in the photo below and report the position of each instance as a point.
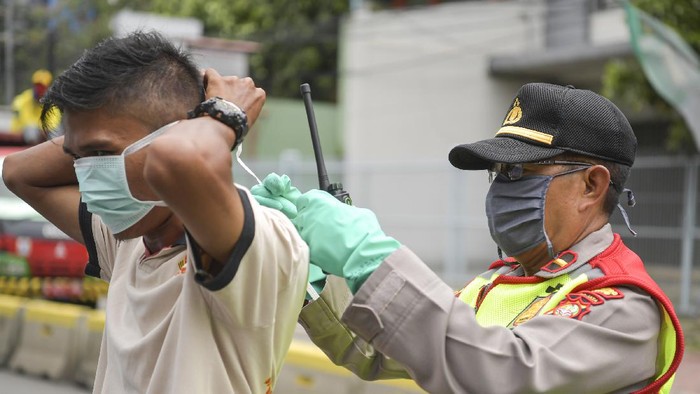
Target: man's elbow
(11, 174)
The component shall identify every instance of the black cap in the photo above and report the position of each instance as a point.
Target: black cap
(547, 120)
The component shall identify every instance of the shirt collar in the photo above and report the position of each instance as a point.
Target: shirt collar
(590, 246)
(182, 241)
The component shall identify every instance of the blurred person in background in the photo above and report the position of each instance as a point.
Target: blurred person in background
(570, 310)
(26, 109)
(205, 285)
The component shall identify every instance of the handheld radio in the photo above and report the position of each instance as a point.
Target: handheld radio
(335, 189)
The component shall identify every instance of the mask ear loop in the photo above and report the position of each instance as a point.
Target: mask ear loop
(140, 144)
(631, 202)
(245, 167)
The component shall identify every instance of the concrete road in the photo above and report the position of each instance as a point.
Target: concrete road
(10, 382)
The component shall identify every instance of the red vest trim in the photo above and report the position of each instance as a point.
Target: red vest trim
(623, 267)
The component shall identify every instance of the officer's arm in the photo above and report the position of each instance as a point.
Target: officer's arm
(321, 320)
(409, 314)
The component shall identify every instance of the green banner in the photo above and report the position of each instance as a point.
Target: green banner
(669, 63)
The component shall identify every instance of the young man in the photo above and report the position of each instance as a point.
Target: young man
(205, 284)
(571, 310)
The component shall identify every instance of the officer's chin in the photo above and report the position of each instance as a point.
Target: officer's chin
(535, 256)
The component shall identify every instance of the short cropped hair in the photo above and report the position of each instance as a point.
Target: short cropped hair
(142, 75)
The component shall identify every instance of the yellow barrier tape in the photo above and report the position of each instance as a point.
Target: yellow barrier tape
(311, 357)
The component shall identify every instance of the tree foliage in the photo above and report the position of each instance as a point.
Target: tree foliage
(52, 37)
(624, 81)
(299, 38)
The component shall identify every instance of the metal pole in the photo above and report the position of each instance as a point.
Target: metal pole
(9, 51)
(688, 240)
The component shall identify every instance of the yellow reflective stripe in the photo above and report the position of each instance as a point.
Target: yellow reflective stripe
(527, 133)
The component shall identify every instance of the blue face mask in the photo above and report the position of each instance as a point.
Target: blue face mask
(104, 189)
(515, 212)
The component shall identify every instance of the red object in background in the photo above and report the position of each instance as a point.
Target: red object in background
(10, 143)
(46, 256)
(48, 251)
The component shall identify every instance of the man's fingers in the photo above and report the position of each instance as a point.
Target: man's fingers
(209, 74)
(240, 91)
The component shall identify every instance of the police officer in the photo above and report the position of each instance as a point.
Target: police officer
(567, 308)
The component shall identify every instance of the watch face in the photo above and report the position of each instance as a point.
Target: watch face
(225, 104)
(225, 112)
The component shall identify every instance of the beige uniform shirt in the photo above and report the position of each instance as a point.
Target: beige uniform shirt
(168, 330)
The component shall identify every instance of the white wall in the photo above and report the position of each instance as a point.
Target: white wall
(609, 27)
(225, 62)
(127, 21)
(415, 84)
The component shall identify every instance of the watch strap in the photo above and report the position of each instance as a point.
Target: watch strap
(225, 112)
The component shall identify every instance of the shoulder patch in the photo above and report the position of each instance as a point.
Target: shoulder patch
(579, 304)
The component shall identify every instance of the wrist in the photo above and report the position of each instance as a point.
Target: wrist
(216, 128)
(367, 257)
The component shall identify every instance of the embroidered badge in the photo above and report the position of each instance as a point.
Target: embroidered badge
(482, 294)
(268, 386)
(531, 311)
(182, 265)
(514, 114)
(577, 305)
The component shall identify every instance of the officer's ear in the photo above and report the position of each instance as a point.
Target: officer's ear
(597, 180)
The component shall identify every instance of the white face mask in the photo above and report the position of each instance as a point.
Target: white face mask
(104, 188)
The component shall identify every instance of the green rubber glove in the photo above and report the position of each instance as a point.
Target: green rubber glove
(277, 192)
(343, 240)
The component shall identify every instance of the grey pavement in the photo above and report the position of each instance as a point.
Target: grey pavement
(688, 375)
(11, 382)
(687, 379)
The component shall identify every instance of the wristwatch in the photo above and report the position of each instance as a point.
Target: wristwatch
(225, 112)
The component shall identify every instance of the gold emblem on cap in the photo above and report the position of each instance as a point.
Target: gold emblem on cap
(514, 114)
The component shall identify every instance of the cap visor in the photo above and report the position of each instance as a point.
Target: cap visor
(480, 155)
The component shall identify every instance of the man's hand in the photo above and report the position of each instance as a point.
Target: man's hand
(277, 192)
(240, 91)
(343, 240)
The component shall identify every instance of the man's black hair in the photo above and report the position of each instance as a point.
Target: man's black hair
(141, 75)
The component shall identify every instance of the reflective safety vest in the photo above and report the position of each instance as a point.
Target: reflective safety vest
(27, 111)
(508, 301)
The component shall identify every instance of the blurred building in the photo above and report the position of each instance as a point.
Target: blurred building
(229, 57)
(418, 81)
